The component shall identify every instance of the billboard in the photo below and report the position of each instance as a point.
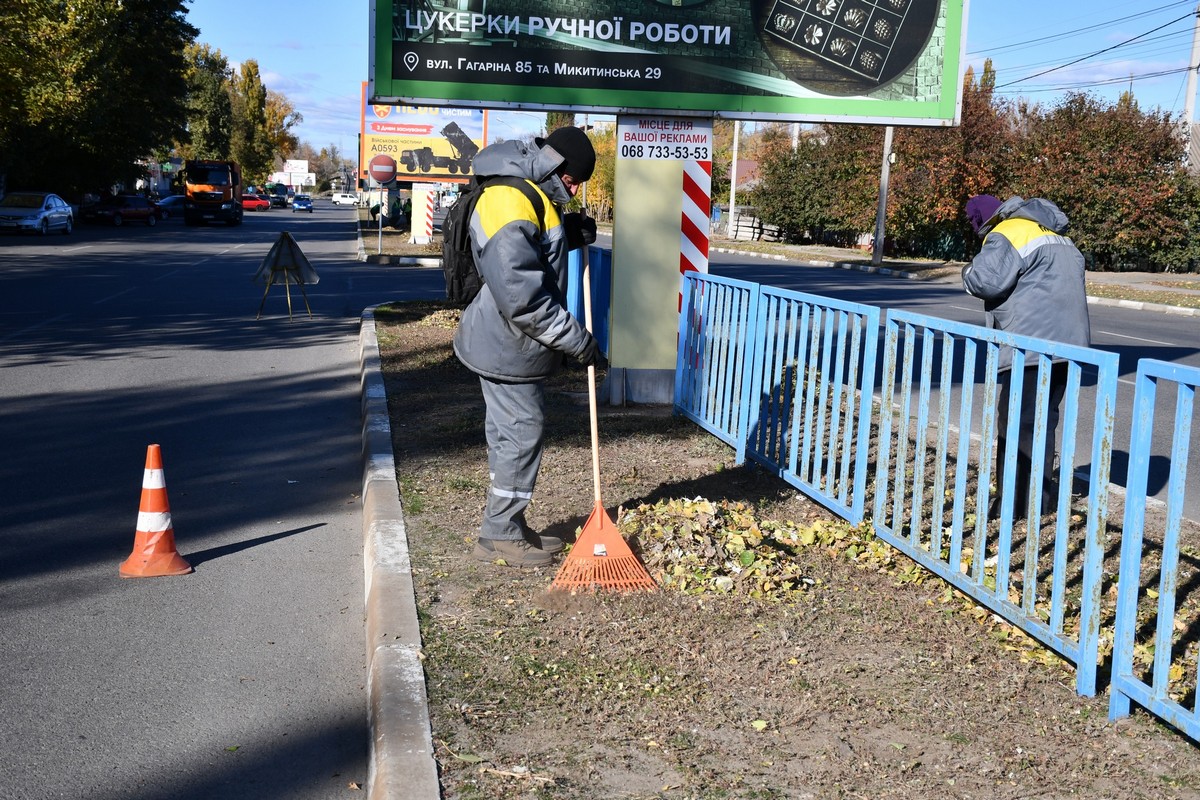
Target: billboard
(887, 61)
(428, 143)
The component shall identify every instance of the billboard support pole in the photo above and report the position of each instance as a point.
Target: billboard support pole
(881, 207)
(737, 127)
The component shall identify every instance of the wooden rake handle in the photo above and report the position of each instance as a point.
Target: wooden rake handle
(591, 371)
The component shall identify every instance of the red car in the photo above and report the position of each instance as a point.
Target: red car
(254, 202)
(122, 208)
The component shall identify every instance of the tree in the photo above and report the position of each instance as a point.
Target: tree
(559, 119)
(600, 187)
(938, 169)
(850, 162)
(209, 111)
(249, 141)
(281, 117)
(66, 99)
(790, 194)
(722, 157)
(1115, 171)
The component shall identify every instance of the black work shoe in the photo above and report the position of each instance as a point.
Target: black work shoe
(512, 552)
(546, 543)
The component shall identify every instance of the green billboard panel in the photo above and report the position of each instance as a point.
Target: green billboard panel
(889, 61)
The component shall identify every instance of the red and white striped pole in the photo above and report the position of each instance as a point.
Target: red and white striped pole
(695, 221)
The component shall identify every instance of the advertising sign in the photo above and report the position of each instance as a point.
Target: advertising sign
(664, 139)
(427, 143)
(887, 61)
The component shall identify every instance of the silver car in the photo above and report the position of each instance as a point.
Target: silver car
(35, 212)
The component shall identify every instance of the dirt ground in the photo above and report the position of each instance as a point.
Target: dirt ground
(850, 679)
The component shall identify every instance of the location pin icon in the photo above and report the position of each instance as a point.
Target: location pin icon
(411, 60)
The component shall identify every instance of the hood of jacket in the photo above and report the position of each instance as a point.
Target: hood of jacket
(1039, 210)
(524, 160)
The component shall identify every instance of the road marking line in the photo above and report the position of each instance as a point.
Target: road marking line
(1138, 339)
(41, 324)
(112, 296)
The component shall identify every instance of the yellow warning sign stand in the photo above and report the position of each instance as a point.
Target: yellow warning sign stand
(286, 263)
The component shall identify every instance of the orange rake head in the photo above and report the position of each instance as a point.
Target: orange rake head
(601, 560)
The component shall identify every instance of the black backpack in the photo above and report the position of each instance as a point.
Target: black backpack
(463, 281)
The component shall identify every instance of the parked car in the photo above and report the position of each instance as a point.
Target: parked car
(255, 202)
(277, 194)
(122, 208)
(170, 205)
(35, 212)
(301, 202)
(345, 197)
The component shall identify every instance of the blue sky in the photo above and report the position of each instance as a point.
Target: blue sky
(315, 52)
(1150, 40)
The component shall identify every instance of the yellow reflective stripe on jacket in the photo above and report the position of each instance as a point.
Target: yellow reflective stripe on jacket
(501, 204)
(1027, 236)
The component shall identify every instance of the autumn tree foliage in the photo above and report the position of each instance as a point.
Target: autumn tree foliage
(209, 111)
(790, 194)
(1117, 173)
(66, 72)
(250, 140)
(938, 169)
(600, 186)
(1115, 170)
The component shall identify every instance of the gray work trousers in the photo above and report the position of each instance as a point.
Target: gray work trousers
(1026, 411)
(515, 426)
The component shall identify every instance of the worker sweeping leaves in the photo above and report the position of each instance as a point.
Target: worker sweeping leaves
(517, 330)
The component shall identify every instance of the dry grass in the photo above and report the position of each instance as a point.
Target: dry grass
(861, 683)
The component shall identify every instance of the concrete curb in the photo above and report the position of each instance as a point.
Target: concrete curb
(1096, 301)
(1140, 306)
(401, 765)
(403, 261)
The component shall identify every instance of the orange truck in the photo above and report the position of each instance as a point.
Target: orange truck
(214, 192)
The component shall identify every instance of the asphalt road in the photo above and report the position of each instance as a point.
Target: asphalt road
(1133, 334)
(246, 678)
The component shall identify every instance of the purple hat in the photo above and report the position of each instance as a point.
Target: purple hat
(980, 209)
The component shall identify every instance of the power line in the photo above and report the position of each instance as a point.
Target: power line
(1174, 38)
(1075, 32)
(1105, 82)
(1098, 52)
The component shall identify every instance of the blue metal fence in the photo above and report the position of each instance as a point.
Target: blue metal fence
(807, 403)
(937, 425)
(1170, 687)
(786, 379)
(783, 377)
(600, 271)
(716, 339)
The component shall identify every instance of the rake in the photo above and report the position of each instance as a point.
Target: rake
(601, 559)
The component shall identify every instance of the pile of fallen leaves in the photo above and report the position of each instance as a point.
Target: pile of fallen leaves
(701, 546)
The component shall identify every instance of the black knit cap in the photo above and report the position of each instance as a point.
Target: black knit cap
(579, 157)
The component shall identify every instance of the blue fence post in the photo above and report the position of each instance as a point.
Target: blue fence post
(1127, 687)
(912, 446)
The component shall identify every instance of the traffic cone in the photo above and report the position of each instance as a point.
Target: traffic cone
(154, 552)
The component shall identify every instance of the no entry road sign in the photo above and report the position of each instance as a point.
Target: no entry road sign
(382, 168)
